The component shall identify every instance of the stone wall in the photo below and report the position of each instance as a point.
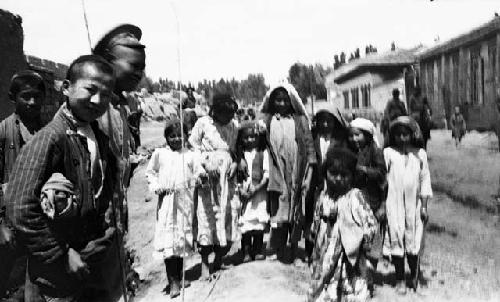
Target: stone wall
(11, 54)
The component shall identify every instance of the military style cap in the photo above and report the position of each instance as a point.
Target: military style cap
(125, 34)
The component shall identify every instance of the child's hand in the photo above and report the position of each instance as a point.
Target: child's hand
(232, 170)
(75, 265)
(381, 214)
(251, 191)
(424, 215)
(361, 169)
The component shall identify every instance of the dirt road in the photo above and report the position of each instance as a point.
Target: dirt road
(461, 262)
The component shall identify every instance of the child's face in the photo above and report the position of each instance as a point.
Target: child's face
(174, 139)
(339, 180)
(89, 95)
(402, 136)
(357, 138)
(29, 102)
(249, 139)
(325, 124)
(282, 103)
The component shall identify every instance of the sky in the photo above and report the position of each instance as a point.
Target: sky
(216, 39)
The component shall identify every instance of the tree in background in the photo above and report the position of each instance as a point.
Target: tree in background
(309, 80)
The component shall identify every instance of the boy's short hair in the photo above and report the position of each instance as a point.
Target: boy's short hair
(74, 70)
(340, 159)
(173, 124)
(26, 78)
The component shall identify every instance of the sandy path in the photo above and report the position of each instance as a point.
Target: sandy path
(461, 261)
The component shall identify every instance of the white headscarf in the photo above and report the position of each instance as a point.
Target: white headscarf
(366, 125)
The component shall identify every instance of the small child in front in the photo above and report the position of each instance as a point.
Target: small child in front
(253, 191)
(345, 226)
(172, 173)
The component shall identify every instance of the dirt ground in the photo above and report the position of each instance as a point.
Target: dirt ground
(461, 261)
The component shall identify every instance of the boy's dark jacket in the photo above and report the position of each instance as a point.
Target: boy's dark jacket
(58, 148)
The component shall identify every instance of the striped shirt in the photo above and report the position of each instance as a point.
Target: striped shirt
(56, 148)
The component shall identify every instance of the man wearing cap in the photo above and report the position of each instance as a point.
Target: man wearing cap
(27, 91)
(122, 48)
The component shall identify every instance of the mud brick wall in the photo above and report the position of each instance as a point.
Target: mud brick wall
(11, 56)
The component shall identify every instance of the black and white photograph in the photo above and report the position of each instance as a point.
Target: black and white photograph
(249, 150)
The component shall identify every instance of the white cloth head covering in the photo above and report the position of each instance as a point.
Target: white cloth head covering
(366, 125)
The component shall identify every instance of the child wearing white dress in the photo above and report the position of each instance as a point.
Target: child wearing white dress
(253, 191)
(172, 173)
(214, 136)
(409, 189)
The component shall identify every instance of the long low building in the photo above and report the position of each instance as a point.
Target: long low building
(465, 72)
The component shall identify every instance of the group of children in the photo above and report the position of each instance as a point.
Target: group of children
(331, 184)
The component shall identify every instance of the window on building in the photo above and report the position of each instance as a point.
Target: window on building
(355, 97)
(346, 99)
(475, 76)
(365, 96)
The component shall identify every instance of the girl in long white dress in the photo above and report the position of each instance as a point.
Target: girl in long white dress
(214, 136)
(172, 174)
(409, 189)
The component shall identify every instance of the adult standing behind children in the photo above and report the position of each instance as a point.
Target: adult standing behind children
(65, 257)
(394, 108)
(27, 92)
(292, 157)
(122, 48)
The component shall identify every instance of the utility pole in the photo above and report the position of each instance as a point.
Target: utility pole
(312, 80)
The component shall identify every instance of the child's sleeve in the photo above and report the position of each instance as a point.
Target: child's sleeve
(196, 134)
(152, 171)
(425, 175)
(363, 215)
(308, 141)
(378, 170)
(265, 164)
(387, 160)
(196, 167)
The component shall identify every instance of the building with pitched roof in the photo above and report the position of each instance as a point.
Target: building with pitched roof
(363, 86)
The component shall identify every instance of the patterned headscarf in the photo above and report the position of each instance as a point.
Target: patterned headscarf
(409, 123)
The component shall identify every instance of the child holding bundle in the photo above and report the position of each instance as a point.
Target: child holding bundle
(172, 173)
(215, 137)
(409, 189)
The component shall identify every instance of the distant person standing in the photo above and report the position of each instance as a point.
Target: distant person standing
(458, 126)
(394, 108)
(426, 122)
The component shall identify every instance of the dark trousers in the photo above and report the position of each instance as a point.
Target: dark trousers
(252, 242)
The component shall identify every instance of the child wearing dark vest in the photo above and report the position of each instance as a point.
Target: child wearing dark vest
(253, 191)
